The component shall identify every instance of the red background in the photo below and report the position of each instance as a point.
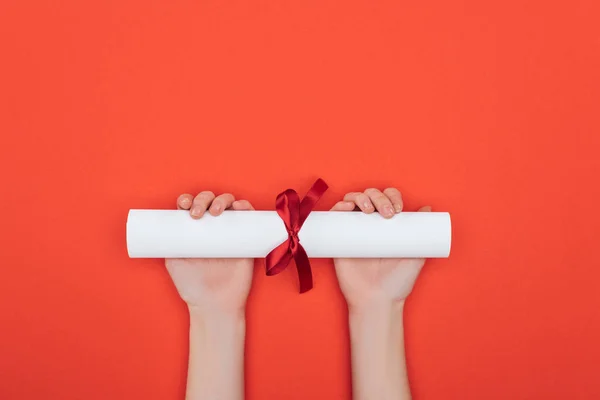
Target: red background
(488, 110)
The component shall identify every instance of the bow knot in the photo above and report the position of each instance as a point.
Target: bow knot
(294, 212)
(292, 234)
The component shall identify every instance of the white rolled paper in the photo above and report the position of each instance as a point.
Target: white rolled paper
(253, 234)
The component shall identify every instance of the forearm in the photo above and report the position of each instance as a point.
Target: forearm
(377, 349)
(216, 359)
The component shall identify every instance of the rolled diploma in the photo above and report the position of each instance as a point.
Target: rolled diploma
(253, 234)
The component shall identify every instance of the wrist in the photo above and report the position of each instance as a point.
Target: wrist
(377, 309)
(217, 325)
(216, 360)
(377, 349)
(216, 315)
(376, 322)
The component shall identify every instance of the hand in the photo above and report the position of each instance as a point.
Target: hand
(365, 282)
(212, 285)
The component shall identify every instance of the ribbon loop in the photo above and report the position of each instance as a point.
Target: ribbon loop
(294, 212)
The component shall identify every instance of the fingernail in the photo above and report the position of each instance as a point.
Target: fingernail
(185, 201)
(387, 210)
(195, 212)
(397, 208)
(217, 208)
(367, 205)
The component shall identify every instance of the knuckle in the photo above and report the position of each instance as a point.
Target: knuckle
(372, 191)
(362, 196)
(242, 204)
(203, 198)
(391, 191)
(206, 193)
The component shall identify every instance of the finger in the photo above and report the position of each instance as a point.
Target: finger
(381, 202)
(395, 197)
(425, 209)
(361, 200)
(344, 206)
(242, 205)
(221, 203)
(184, 202)
(201, 203)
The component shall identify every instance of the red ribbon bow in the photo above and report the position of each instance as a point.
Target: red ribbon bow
(294, 212)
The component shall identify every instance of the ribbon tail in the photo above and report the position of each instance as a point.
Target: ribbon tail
(311, 198)
(304, 270)
(278, 259)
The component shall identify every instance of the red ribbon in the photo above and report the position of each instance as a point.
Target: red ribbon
(294, 212)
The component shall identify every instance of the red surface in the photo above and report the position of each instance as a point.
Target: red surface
(488, 110)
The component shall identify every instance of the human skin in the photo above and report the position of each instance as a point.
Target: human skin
(375, 291)
(215, 292)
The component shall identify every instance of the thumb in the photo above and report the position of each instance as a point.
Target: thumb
(425, 209)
